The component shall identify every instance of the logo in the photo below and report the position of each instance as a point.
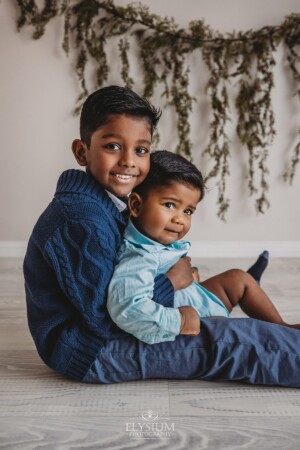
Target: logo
(149, 415)
(149, 426)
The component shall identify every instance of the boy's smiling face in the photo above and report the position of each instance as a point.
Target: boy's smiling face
(119, 154)
(165, 214)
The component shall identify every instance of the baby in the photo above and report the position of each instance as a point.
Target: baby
(161, 210)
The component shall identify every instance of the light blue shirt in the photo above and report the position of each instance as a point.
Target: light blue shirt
(130, 293)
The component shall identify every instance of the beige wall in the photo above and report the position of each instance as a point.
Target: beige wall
(38, 88)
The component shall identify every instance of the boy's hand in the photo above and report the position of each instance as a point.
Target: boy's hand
(181, 275)
(190, 322)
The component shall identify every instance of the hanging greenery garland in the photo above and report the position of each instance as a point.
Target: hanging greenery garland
(244, 57)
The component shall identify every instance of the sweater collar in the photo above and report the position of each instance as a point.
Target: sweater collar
(74, 181)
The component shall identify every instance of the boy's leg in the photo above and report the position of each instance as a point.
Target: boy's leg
(245, 350)
(238, 287)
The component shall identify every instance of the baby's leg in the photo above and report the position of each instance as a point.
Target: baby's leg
(260, 265)
(238, 287)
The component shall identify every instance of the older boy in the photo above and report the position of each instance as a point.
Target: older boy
(72, 249)
(70, 259)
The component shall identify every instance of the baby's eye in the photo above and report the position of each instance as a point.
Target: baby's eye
(112, 146)
(169, 205)
(141, 150)
(188, 212)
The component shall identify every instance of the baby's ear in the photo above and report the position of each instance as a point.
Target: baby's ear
(79, 151)
(134, 204)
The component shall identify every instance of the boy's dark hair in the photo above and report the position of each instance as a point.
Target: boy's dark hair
(112, 101)
(166, 167)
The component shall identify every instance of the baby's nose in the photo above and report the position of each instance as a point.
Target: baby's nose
(178, 218)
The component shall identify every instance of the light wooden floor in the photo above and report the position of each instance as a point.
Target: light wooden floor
(41, 410)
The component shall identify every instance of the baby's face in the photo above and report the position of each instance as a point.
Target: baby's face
(165, 215)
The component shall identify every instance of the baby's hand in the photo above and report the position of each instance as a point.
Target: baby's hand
(196, 274)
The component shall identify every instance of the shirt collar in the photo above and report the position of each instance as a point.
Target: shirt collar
(133, 235)
(117, 201)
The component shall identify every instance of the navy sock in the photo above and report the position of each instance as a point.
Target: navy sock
(259, 266)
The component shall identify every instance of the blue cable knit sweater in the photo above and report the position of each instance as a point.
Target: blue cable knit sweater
(68, 266)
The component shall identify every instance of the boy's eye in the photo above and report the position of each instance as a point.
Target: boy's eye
(142, 151)
(188, 212)
(112, 146)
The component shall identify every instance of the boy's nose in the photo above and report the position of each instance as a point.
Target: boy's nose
(127, 161)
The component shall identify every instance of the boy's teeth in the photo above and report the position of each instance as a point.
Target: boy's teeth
(124, 177)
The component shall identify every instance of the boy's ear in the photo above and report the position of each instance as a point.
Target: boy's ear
(79, 150)
(134, 204)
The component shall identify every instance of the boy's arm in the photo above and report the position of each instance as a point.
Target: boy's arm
(130, 301)
(82, 255)
(163, 292)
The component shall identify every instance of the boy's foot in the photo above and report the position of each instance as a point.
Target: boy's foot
(259, 266)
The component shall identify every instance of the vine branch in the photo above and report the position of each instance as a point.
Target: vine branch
(245, 58)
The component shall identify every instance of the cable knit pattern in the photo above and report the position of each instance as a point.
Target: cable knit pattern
(68, 266)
